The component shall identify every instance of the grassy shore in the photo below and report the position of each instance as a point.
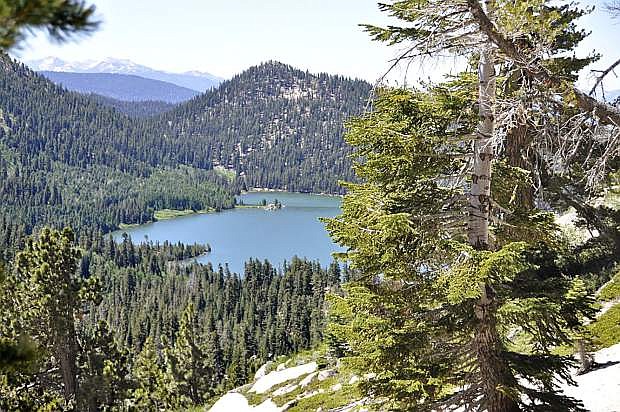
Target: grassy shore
(126, 226)
(166, 214)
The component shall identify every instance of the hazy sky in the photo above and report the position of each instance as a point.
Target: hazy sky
(225, 37)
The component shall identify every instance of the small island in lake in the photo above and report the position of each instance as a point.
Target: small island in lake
(263, 204)
(276, 205)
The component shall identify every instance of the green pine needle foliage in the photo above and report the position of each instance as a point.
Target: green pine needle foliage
(409, 316)
(60, 18)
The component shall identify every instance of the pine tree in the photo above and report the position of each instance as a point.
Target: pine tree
(48, 269)
(60, 18)
(431, 313)
(189, 365)
(213, 363)
(15, 351)
(155, 387)
(452, 288)
(104, 372)
(237, 372)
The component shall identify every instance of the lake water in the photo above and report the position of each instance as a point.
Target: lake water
(239, 234)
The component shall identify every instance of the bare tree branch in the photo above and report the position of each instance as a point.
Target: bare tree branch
(606, 113)
(604, 73)
(614, 8)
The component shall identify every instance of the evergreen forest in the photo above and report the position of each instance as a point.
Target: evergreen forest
(480, 222)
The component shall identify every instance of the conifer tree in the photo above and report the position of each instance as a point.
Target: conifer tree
(48, 271)
(104, 372)
(214, 362)
(431, 314)
(189, 365)
(155, 387)
(60, 18)
(237, 372)
(450, 266)
(15, 351)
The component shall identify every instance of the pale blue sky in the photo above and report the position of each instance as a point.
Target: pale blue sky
(227, 36)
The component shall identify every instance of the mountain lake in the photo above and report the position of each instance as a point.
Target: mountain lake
(242, 233)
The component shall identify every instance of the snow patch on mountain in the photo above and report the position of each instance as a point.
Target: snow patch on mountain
(277, 377)
(284, 388)
(236, 402)
(599, 389)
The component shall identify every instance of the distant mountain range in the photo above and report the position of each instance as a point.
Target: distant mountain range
(195, 80)
(125, 87)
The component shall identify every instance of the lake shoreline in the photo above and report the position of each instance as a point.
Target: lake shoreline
(249, 231)
(169, 214)
(267, 190)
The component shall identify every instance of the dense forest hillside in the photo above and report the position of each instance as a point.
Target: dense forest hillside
(280, 311)
(145, 108)
(279, 127)
(151, 329)
(139, 317)
(146, 314)
(479, 235)
(65, 159)
(121, 86)
(70, 159)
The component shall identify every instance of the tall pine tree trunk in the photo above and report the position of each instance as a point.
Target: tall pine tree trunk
(516, 139)
(584, 357)
(66, 350)
(495, 374)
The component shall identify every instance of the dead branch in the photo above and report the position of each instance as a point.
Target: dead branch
(602, 75)
(606, 113)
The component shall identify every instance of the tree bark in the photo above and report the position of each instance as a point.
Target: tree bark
(66, 344)
(495, 374)
(518, 138)
(584, 358)
(66, 350)
(480, 195)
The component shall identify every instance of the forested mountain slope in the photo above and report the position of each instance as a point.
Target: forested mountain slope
(69, 159)
(65, 159)
(154, 331)
(279, 127)
(145, 108)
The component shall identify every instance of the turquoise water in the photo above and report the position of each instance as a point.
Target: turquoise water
(237, 235)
